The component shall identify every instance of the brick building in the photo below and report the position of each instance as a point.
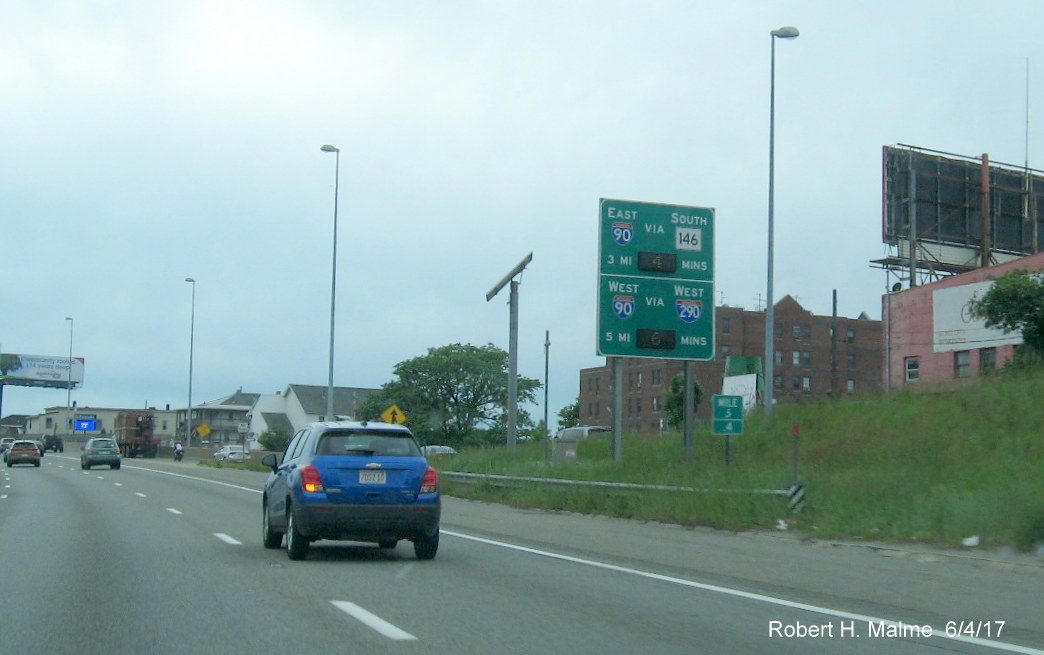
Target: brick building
(931, 341)
(805, 365)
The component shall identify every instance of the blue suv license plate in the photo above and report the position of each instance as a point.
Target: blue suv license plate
(373, 477)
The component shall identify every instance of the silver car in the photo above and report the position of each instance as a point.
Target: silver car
(231, 454)
(100, 450)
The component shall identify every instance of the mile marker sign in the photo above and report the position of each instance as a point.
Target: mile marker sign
(655, 280)
(727, 414)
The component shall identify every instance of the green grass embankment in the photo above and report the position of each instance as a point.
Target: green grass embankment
(928, 467)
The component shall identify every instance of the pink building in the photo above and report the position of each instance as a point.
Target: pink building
(930, 340)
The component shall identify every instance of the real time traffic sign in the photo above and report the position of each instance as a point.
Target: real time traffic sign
(656, 281)
(727, 414)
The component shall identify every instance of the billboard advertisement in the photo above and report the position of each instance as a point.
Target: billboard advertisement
(956, 329)
(40, 370)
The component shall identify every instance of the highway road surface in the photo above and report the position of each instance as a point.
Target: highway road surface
(163, 557)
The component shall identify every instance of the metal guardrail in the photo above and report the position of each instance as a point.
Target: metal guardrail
(507, 480)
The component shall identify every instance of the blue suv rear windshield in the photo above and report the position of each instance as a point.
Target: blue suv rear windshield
(367, 443)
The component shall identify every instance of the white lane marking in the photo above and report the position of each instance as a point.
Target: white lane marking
(227, 539)
(3, 496)
(101, 477)
(936, 632)
(139, 494)
(373, 621)
(173, 511)
(117, 484)
(192, 477)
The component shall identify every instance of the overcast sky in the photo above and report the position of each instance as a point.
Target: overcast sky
(145, 142)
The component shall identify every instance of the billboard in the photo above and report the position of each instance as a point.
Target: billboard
(40, 371)
(954, 327)
(939, 200)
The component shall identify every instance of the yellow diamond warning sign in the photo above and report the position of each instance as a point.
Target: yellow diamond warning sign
(393, 415)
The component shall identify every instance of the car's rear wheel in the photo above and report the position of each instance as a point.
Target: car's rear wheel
(270, 537)
(425, 548)
(114, 466)
(37, 462)
(296, 543)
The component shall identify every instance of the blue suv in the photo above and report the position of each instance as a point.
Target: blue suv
(353, 481)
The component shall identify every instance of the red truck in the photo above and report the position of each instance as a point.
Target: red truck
(134, 434)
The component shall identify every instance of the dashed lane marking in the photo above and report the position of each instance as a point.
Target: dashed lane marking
(372, 621)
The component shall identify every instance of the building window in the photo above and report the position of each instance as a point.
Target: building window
(802, 332)
(802, 358)
(796, 358)
(726, 325)
(777, 382)
(48, 423)
(779, 356)
(802, 383)
(797, 331)
(851, 361)
(779, 330)
(725, 350)
(851, 336)
(656, 403)
(637, 406)
(851, 386)
(657, 377)
(987, 359)
(913, 368)
(962, 363)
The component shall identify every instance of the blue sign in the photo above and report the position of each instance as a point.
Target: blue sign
(623, 306)
(622, 233)
(688, 310)
(86, 426)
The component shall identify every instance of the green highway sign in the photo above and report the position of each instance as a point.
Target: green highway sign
(655, 280)
(727, 414)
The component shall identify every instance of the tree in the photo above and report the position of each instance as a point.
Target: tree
(1015, 303)
(275, 439)
(569, 416)
(674, 400)
(453, 392)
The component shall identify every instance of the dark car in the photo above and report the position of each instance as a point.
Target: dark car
(53, 442)
(100, 450)
(23, 451)
(351, 481)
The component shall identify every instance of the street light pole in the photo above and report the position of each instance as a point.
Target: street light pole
(68, 383)
(770, 326)
(333, 282)
(192, 344)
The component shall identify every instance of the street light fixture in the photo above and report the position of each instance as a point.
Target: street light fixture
(68, 383)
(770, 326)
(192, 339)
(333, 283)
